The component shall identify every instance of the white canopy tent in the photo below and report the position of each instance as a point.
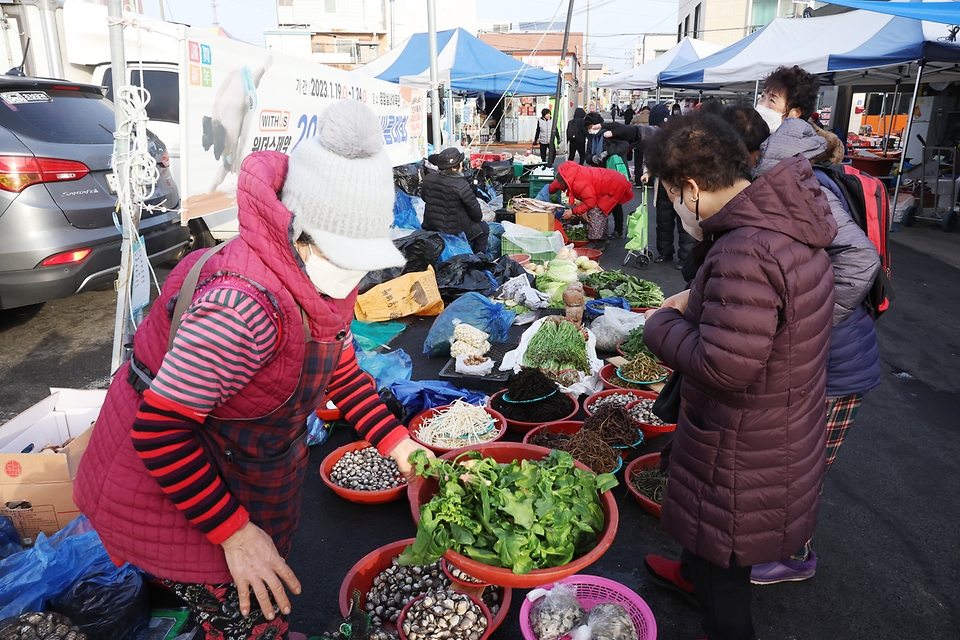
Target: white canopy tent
(647, 76)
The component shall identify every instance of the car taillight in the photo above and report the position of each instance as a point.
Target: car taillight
(67, 257)
(19, 172)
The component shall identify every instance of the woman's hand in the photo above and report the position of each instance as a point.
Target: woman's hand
(253, 561)
(567, 214)
(678, 301)
(401, 455)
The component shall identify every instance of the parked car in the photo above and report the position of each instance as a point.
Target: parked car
(57, 193)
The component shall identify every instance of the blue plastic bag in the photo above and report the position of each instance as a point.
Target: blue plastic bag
(386, 367)
(370, 335)
(494, 242)
(419, 395)
(404, 214)
(9, 538)
(455, 246)
(473, 309)
(317, 430)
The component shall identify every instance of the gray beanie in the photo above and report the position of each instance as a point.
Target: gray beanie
(339, 188)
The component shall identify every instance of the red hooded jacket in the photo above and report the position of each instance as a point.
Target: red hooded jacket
(593, 187)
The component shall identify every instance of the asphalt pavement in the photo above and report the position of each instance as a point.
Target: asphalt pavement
(887, 540)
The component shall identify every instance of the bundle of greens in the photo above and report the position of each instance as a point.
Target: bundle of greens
(558, 345)
(576, 232)
(522, 515)
(555, 278)
(639, 293)
(633, 344)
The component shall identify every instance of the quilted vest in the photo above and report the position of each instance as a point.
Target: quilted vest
(134, 518)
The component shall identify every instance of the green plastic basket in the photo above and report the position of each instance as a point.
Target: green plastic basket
(507, 247)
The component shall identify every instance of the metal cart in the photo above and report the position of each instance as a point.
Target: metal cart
(942, 187)
(638, 231)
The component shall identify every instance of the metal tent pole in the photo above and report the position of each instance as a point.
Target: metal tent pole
(889, 127)
(563, 64)
(434, 73)
(906, 138)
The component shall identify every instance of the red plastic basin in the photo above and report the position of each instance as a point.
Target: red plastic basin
(608, 376)
(609, 392)
(524, 427)
(641, 463)
(360, 497)
(361, 577)
(652, 430)
(568, 427)
(592, 254)
(500, 428)
(421, 490)
(476, 601)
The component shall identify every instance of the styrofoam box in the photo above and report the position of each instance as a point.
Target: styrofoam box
(64, 414)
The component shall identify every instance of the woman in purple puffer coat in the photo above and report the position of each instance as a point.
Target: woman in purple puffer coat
(750, 337)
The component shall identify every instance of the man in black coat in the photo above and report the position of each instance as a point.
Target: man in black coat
(450, 205)
(628, 114)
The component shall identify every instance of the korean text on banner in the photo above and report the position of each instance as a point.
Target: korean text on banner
(237, 98)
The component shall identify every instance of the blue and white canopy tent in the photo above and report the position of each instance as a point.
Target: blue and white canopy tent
(946, 12)
(474, 66)
(647, 76)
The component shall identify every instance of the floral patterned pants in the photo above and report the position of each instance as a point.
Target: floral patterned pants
(217, 609)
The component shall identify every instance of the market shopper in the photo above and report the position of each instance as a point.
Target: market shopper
(628, 114)
(750, 338)
(195, 466)
(546, 136)
(749, 124)
(450, 205)
(576, 136)
(599, 191)
(853, 363)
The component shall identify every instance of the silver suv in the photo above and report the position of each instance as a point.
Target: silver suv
(57, 193)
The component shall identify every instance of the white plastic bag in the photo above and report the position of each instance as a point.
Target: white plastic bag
(473, 369)
(531, 240)
(556, 612)
(613, 327)
(589, 383)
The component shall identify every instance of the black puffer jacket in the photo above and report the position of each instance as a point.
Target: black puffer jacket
(451, 206)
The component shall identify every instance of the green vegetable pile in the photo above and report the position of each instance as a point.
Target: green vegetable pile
(576, 232)
(639, 293)
(633, 344)
(558, 345)
(522, 515)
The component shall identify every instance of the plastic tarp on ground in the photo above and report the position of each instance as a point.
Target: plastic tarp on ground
(843, 45)
(945, 12)
(473, 65)
(647, 75)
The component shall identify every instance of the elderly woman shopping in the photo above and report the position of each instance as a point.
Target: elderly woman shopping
(750, 338)
(195, 466)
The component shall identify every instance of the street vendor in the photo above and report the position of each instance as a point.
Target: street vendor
(599, 191)
(450, 205)
(195, 466)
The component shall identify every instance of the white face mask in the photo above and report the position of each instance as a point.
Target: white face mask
(594, 132)
(688, 219)
(330, 279)
(773, 118)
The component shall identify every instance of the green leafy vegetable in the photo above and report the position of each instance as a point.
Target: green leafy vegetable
(616, 283)
(576, 232)
(558, 345)
(634, 344)
(522, 515)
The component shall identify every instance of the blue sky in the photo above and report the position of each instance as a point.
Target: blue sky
(614, 24)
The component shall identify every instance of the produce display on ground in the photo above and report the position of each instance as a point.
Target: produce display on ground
(642, 411)
(576, 232)
(469, 341)
(633, 344)
(642, 369)
(445, 614)
(650, 482)
(522, 515)
(557, 613)
(639, 293)
(614, 425)
(459, 425)
(587, 447)
(611, 400)
(366, 470)
(558, 348)
(532, 397)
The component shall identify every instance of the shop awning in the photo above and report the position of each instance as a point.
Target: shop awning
(474, 66)
(647, 75)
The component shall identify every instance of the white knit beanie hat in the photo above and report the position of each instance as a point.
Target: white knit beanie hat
(339, 188)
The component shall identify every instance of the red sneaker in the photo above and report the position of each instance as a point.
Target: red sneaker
(666, 573)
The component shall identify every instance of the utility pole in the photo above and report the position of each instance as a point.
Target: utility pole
(163, 16)
(434, 74)
(586, 59)
(216, 20)
(393, 26)
(563, 60)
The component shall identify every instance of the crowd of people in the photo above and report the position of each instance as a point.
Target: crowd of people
(194, 474)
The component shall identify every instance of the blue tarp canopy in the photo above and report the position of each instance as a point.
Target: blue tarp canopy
(857, 47)
(945, 12)
(647, 76)
(473, 66)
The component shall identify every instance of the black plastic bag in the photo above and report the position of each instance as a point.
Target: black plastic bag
(463, 273)
(407, 177)
(420, 248)
(395, 406)
(500, 172)
(109, 603)
(373, 278)
(506, 268)
(9, 538)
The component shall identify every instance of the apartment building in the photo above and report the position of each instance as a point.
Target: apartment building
(724, 22)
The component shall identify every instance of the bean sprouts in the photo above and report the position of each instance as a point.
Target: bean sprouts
(459, 425)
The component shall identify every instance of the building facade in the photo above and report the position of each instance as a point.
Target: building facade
(542, 49)
(724, 22)
(652, 45)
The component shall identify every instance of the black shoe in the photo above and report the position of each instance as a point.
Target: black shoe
(663, 259)
(679, 267)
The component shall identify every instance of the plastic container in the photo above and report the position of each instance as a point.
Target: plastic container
(490, 383)
(361, 575)
(328, 412)
(457, 582)
(593, 590)
(476, 601)
(580, 243)
(609, 392)
(592, 254)
(499, 427)
(568, 427)
(523, 427)
(421, 490)
(652, 430)
(520, 258)
(641, 463)
(608, 376)
(360, 497)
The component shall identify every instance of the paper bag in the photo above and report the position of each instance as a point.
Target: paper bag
(412, 294)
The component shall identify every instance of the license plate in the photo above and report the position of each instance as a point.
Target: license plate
(113, 185)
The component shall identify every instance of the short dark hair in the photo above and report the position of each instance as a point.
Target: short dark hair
(712, 105)
(700, 147)
(748, 123)
(592, 118)
(800, 89)
(544, 112)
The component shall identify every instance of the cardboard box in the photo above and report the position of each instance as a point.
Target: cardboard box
(538, 221)
(36, 488)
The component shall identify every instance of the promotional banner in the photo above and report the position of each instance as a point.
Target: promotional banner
(236, 98)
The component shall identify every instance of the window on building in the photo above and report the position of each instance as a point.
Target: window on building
(284, 3)
(679, 32)
(686, 26)
(764, 11)
(696, 22)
